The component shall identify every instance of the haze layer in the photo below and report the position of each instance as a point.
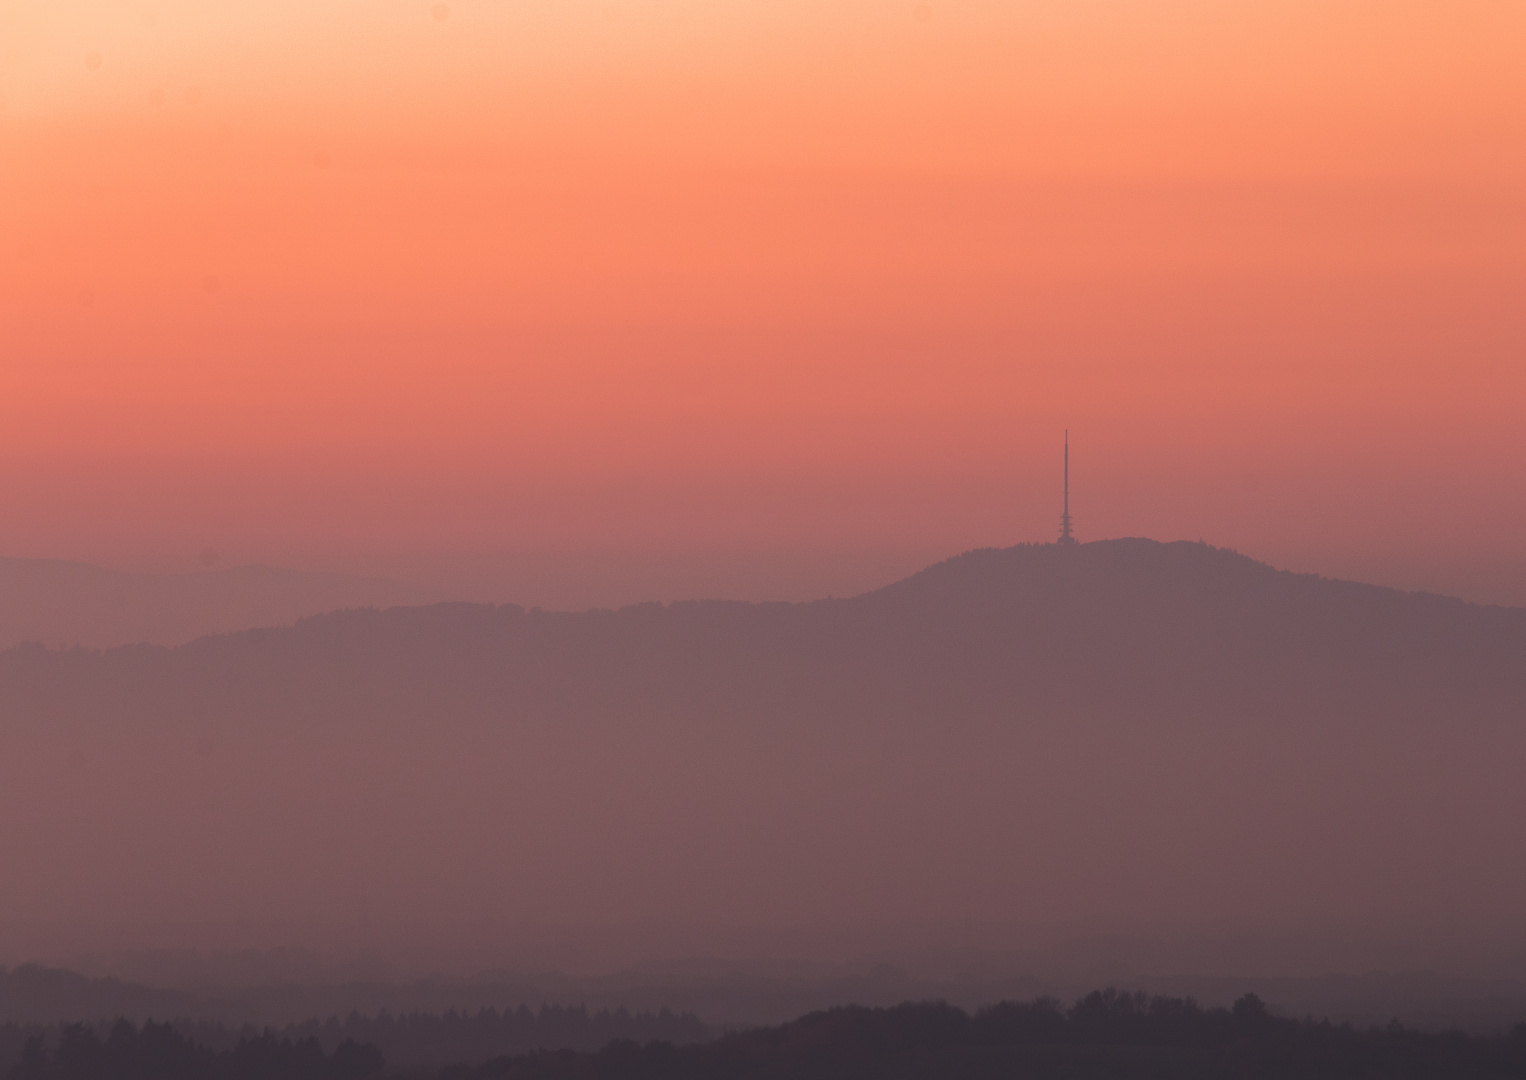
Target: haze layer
(1111, 735)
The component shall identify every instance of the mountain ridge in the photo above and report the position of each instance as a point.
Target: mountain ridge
(62, 602)
(924, 584)
(1165, 732)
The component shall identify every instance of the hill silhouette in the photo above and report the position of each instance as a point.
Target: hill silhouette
(1124, 730)
(37, 995)
(71, 603)
(1106, 1033)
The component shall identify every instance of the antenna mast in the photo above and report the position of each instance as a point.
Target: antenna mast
(1065, 537)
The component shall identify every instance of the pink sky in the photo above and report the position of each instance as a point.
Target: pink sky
(329, 284)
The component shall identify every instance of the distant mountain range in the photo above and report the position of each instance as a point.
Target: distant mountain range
(70, 603)
(1119, 733)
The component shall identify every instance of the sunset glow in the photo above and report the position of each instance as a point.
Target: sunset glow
(321, 282)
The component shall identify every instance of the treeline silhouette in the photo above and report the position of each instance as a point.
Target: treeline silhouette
(414, 1039)
(159, 1052)
(1106, 1034)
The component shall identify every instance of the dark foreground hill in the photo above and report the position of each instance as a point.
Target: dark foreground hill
(406, 1041)
(1103, 1035)
(123, 1051)
(1121, 732)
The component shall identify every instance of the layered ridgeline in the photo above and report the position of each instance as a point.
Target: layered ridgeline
(1105, 1034)
(56, 602)
(1114, 734)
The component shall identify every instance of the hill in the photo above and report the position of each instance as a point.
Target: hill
(1105, 1034)
(70, 603)
(1121, 733)
(37, 995)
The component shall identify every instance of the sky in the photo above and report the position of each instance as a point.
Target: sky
(763, 298)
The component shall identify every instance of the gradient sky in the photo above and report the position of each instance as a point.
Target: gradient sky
(332, 282)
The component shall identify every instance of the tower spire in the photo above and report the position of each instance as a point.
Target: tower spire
(1065, 536)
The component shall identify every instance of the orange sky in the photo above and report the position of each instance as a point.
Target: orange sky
(328, 282)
